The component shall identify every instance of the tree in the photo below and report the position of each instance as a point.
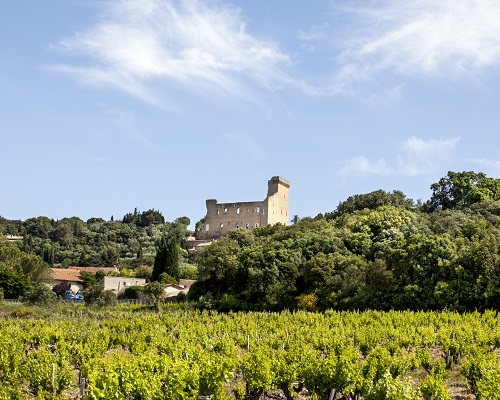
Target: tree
(32, 267)
(372, 201)
(150, 217)
(156, 291)
(40, 294)
(183, 220)
(459, 190)
(98, 296)
(13, 284)
(167, 259)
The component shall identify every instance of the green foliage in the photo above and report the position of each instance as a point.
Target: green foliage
(41, 294)
(134, 292)
(434, 388)
(96, 295)
(308, 302)
(14, 284)
(167, 259)
(165, 279)
(96, 242)
(127, 353)
(371, 201)
(459, 190)
(188, 272)
(156, 292)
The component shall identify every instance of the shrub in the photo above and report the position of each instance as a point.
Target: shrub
(134, 292)
(188, 272)
(40, 294)
(98, 296)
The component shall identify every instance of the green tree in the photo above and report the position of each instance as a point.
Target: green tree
(156, 291)
(167, 259)
(40, 294)
(372, 201)
(13, 283)
(459, 190)
(96, 295)
(151, 217)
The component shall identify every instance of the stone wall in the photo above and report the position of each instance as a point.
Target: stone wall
(224, 217)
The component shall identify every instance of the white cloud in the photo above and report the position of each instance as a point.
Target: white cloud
(140, 44)
(491, 165)
(418, 157)
(424, 156)
(445, 38)
(361, 166)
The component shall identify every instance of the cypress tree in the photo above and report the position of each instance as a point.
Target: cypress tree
(172, 265)
(160, 260)
(166, 259)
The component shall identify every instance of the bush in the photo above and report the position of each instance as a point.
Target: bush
(308, 302)
(134, 292)
(181, 297)
(1, 294)
(40, 294)
(98, 296)
(188, 272)
(165, 279)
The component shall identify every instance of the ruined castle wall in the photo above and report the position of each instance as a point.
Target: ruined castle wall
(224, 217)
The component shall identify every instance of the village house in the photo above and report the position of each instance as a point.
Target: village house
(118, 284)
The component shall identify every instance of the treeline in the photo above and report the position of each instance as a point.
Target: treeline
(130, 242)
(375, 251)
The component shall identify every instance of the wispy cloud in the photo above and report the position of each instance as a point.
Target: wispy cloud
(417, 157)
(246, 143)
(126, 121)
(491, 165)
(141, 46)
(361, 166)
(445, 38)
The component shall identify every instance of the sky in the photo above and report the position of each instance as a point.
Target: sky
(107, 106)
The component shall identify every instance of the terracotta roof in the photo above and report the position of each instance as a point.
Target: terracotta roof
(63, 274)
(186, 282)
(93, 270)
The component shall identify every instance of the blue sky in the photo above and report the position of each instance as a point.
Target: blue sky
(110, 105)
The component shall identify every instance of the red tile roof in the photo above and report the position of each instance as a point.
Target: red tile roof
(93, 270)
(63, 274)
(73, 273)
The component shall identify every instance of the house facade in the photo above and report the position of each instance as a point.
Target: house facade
(118, 284)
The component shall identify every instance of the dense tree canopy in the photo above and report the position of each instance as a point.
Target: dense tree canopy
(96, 242)
(375, 251)
(459, 190)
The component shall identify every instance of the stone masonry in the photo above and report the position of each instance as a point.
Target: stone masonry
(224, 217)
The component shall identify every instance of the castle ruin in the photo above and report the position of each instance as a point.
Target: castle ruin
(224, 217)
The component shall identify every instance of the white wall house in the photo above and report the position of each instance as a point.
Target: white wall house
(118, 284)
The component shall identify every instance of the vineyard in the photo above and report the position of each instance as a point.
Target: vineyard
(130, 353)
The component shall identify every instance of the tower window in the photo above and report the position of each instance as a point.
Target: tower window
(207, 227)
(238, 210)
(225, 210)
